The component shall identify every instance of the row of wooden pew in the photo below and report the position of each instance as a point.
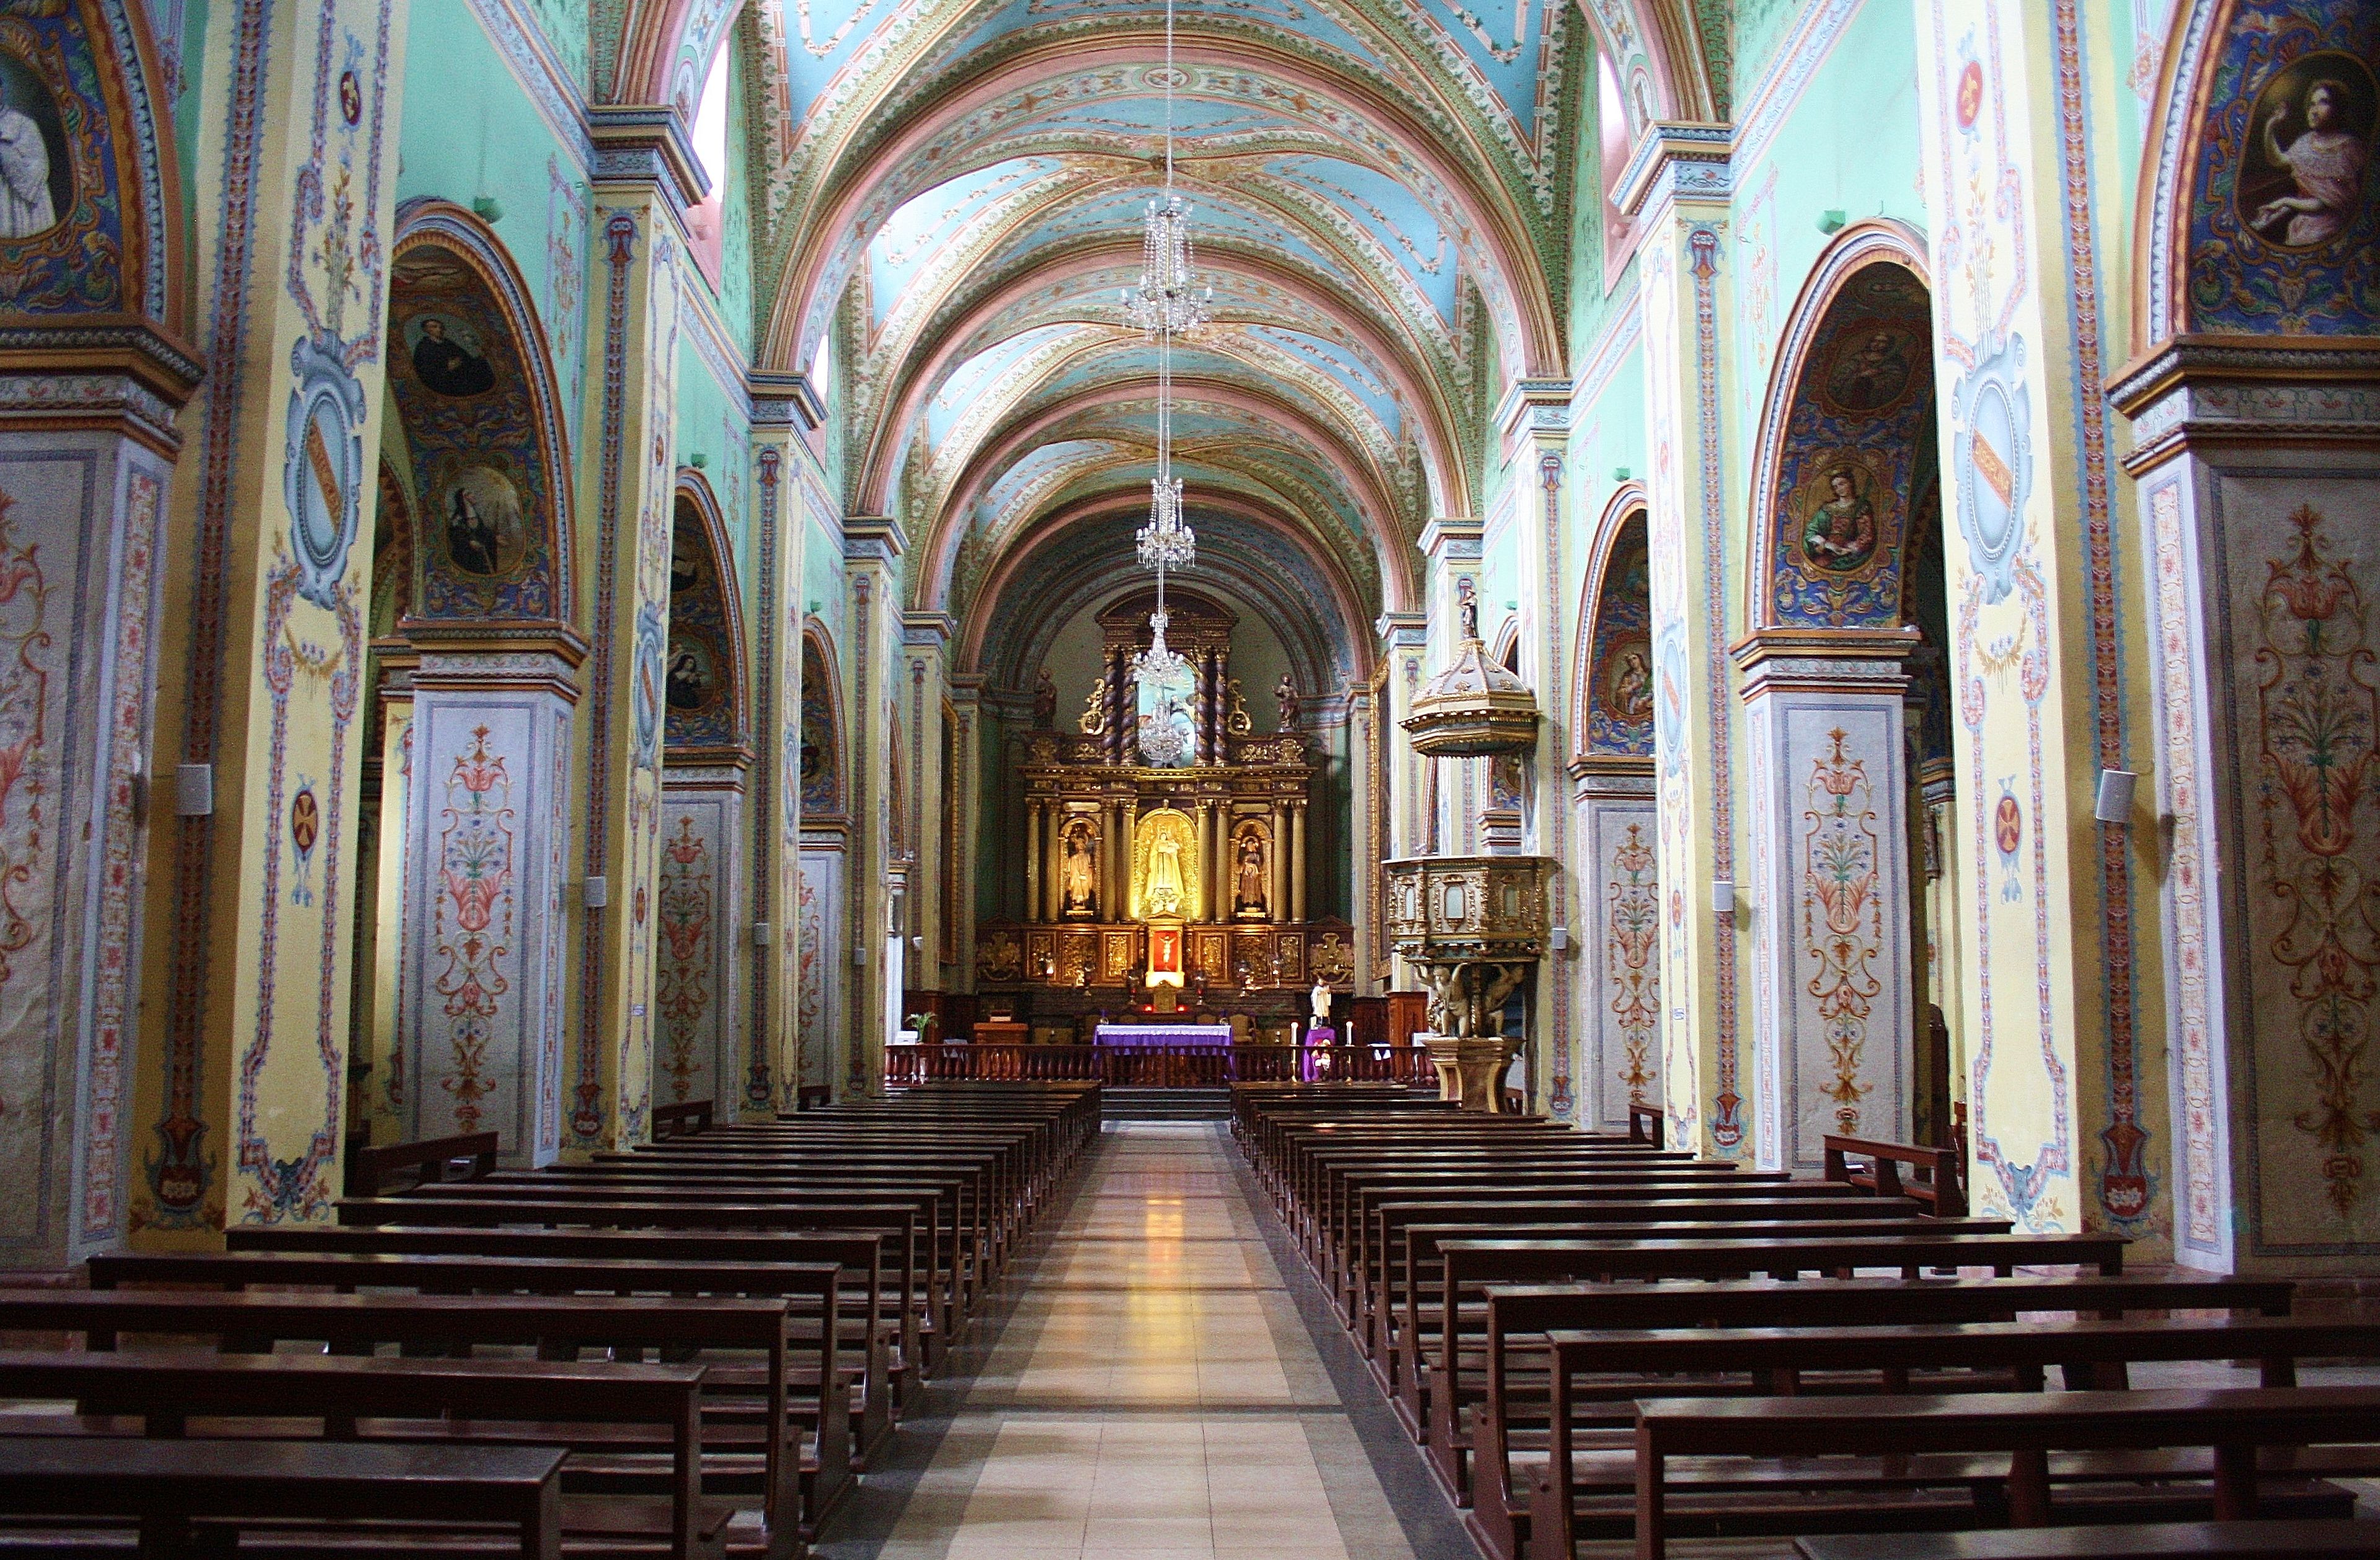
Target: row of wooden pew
(687, 1349)
(1595, 1339)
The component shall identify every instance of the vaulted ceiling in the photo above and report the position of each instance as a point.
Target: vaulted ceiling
(952, 192)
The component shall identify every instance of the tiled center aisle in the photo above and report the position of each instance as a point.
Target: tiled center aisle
(1157, 1390)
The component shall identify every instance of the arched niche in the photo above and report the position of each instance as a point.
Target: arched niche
(101, 233)
(822, 771)
(708, 717)
(1613, 704)
(477, 426)
(2253, 218)
(1851, 408)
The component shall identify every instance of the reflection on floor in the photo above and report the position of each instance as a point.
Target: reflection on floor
(1156, 1390)
(1159, 1387)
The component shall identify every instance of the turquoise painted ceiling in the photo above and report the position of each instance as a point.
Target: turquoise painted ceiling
(956, 188)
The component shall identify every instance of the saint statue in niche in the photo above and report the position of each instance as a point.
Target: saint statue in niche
(1840, 535)
(2308, 185)
(1293, 703)
(1871, 372)
(36, 181)
(1078, 873)
(1248, 890)
(1045, 701)
(448, 360)
(1164, 894)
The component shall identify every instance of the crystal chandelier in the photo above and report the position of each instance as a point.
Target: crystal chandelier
(1166, 303)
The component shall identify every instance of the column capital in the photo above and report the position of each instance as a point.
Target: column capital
(2206, 394)
(647, 144)
(1678, 161)
(873, 538)
(784, 399)
(1401, 631)
(1865, 660)
(1536, 410)
(925, 631)
(129, 379)
(1453, 539)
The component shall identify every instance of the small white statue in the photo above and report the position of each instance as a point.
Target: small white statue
(1321, 997)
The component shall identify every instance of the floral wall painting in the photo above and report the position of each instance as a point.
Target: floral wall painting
(36, 167)
(2280, 231)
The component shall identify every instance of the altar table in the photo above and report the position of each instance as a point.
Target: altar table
(1164, 1034)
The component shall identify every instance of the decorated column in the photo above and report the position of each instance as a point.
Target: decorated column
(873, 546)
(2255, 411)
(1676, 188)
(1535, 417)
(1825, 796)
(250, 912)
(782, 405)
(1452, 545)
(1399, 827)
(966, 804)
(2051, 983)
(922, 676)
(646, 178)
(86, 462)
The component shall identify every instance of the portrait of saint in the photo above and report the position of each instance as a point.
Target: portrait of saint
(446, 357)
(2309, 143)
(685, 563)
(36, 176)
(687, 685)
(1840, 536)
(484, 535)
(1628, 694)
(1871, 369)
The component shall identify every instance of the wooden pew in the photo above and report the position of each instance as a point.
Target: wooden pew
(2341, 1539)
(2017, 1355)
(793, 1489)
(870, 1342)
(892, 1224)
(2026, 1426)
(1938, 1187)
(499, 1401)
(370, 1170)
(1510, 1428)
(683, 1119)
(160, 1488)
(1456, 1313)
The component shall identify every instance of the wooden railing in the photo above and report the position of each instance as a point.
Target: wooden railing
(467, 1156)
(1171, 1066)
(1934, 1180)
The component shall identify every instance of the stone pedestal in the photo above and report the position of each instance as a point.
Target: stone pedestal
(1470, 1072)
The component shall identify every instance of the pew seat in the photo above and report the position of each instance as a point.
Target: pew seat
(153, 1491)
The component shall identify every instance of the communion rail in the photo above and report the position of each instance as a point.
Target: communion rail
(1169, 1065)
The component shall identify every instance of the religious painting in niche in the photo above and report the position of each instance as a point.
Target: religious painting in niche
(1871, 370)
(36, 172)
(1251, 872)
(446, 355)
(699, 684)
(1838, 535)
(392, 574)
(1619, 651)
(485, 534)
(1078, 870)
(821, 749)
(2301, 183)
(478, 420)
(1849, 444)
(73, 231)
(2280, 217)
